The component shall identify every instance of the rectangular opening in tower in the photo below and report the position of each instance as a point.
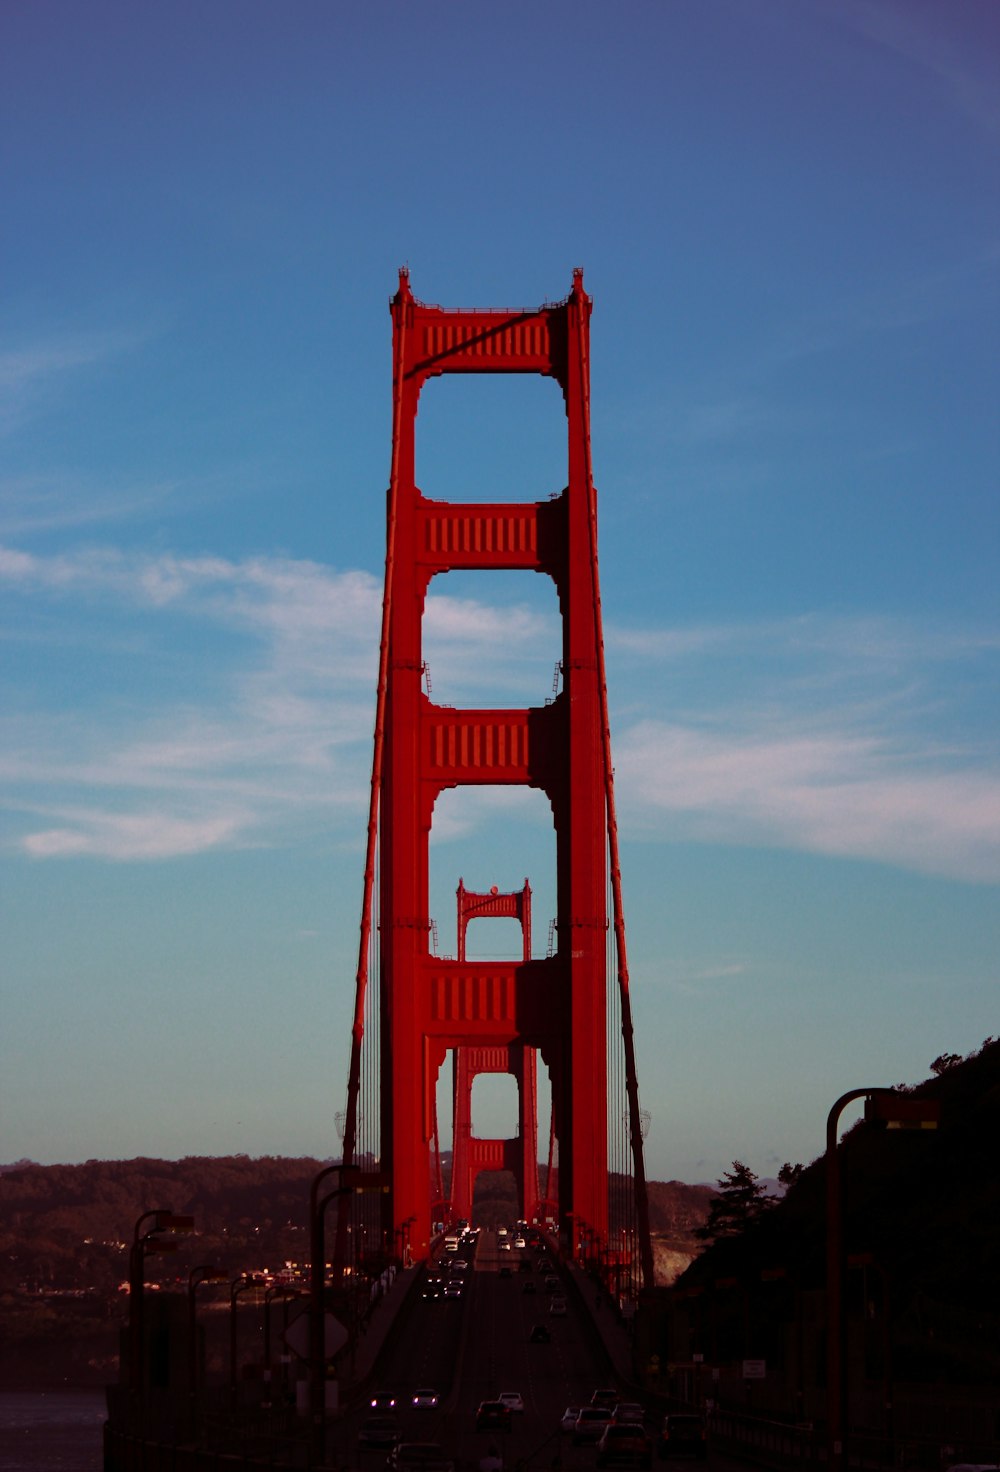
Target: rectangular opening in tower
(491, 437)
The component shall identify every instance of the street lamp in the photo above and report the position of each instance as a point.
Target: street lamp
(239, 1285)
(278, 1291)
(349, 1179)
(895, 1111)
(205, 1273)
(145, 1242)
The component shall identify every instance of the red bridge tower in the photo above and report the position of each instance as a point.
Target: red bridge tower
(501, 1011)
(470, 1153)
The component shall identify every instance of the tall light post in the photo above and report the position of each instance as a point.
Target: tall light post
(349, 1179)
(894, 1111)
(317, 1279)
(146, 1239)
(278, 1291)
(239, 1285)
(204, 1273)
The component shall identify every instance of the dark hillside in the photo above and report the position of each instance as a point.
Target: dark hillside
(65, 1232)
(924, 1205)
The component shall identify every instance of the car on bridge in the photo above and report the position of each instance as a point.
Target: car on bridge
(539, 1335)
(605, 1396)
(419, 1456)
(380, 1431)
(512, 1399)
(630, 1411)
(569, 1419)
(683, 1436)
(624, 1444)
(425, 1399)
(493, 1415)
(591, 1424)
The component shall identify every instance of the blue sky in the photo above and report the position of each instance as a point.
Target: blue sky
(788, 219)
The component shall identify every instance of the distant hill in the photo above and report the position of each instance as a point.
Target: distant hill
(65, 1232)
(66, 1226)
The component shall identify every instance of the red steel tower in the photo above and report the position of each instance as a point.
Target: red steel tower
(499, 1014)
(471, 1153)
(428, 1004)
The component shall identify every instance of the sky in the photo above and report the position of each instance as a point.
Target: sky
(788, 218)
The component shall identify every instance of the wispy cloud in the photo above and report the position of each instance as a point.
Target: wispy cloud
(839, 794)
(863, 737)
(31, 374)
(33, 504)
(841, 736)
(928, 39)
(145, 835)
(282, 739)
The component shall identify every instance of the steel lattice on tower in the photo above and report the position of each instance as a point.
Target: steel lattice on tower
(553, 1008)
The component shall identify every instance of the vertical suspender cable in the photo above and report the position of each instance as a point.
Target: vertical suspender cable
(361, 982)
(631, 1081)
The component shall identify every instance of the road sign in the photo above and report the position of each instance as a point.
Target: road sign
(296, 1336)
(755, 1369)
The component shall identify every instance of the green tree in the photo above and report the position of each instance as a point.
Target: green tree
(740, 1202)
(789, 1174)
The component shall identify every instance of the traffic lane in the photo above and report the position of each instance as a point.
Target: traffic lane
(499, 1355)
(479, 1345)
(421, 1350)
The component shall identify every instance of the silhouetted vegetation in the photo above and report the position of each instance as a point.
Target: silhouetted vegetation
(920, 1207)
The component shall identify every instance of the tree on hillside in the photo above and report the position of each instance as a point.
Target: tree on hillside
(741, 1201)
(789, 1174)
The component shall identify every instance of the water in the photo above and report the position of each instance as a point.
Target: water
(51, 1430)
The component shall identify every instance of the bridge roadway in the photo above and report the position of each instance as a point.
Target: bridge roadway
(472, 1348)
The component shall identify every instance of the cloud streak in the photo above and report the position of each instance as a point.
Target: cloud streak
(30, 375)
(839, 794)
(814, 734)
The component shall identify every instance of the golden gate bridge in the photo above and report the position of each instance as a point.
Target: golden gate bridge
(570, 1011)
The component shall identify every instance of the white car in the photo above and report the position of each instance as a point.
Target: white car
(569, 1419)
(512, 1399)
(425, 1399)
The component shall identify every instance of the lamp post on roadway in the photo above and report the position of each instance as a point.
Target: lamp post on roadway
(144, 1242)
(895, 1111)
(317, 1280)
(239, 1285)
(205, 1273)
(278, 1291)
(349, 1179)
